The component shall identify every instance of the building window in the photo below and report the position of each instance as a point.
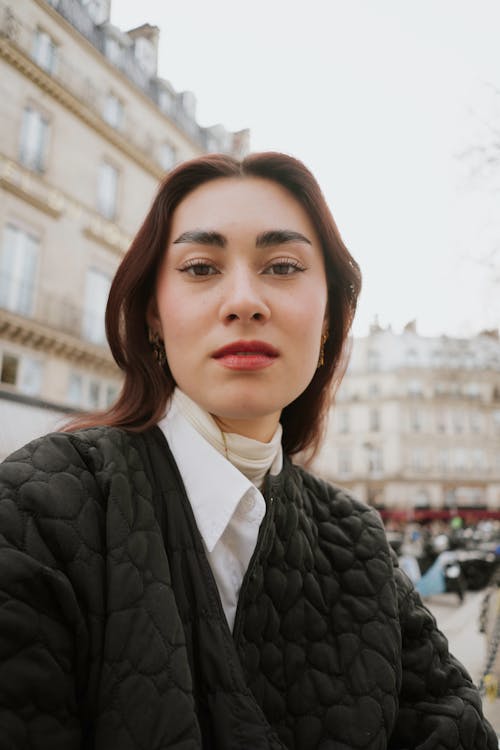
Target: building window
(460, 459)
(45, 51)
(421, 498)
(496, 421)
(9, 370)
(479, 460)
(458, 422)
(440, 389)
(416, 420)
(441, 421)
(98, 10)
(476, 421)
(113, 50)
(23, 372)
(113, 111)
(373, 390)
(94, 392)
(145, 54)
(188, 100)
(107, 190)
(96, 296)
(168, 156)
(443, 459)
(111, 394)
(418, 459)
(166, 101)
(373, 360)
(374, 420)
(343, 421)
(30, 380)
(375, 459)
(472, 390)
(75, 389)
(18, 260)
(34, 139)
(411, 357)
(344, 461)
(415, 388)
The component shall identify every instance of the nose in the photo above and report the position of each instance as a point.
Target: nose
(243, 298)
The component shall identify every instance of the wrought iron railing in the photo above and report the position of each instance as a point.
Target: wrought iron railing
(56, 311)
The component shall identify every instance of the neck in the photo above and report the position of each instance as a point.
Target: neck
(262, 429)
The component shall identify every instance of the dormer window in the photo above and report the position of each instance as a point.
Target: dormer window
(145, 54)
(45, 51)
(113, 111)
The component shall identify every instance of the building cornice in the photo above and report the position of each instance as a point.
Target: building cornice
(39, 337)
(36, 191)
(102, 59)
(16, 57)
(36, 201)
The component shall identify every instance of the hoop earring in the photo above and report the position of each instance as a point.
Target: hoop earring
(321, 358)
(157, 346)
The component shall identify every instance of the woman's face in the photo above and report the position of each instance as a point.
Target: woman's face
(241, 301)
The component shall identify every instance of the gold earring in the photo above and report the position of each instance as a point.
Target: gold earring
(321, 358)
(157, 346)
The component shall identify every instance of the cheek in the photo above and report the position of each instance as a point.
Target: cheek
(307, 316)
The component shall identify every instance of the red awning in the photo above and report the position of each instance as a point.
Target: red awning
(427, 514)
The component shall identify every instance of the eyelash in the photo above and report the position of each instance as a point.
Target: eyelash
(191, 266)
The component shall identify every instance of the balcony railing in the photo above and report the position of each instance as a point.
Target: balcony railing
(52, 310)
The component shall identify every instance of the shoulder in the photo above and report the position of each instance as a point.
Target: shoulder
(61, 478)
(60, 461)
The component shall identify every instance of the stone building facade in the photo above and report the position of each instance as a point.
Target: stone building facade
(416, 423)
(88, 129)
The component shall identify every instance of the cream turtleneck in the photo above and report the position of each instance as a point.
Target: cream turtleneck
(252, 457)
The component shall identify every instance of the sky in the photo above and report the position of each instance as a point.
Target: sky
(392, 104)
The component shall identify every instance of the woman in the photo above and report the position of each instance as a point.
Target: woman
(169, 579)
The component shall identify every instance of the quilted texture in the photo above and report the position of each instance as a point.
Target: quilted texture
(112, 634)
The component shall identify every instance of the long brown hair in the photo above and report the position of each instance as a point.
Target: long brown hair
(147, 387)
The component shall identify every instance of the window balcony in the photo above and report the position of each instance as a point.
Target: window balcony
(38, 318)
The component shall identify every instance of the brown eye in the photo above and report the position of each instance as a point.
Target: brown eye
(284, 268)
(199, 268)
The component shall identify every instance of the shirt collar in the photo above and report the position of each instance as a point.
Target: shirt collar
(213, 485)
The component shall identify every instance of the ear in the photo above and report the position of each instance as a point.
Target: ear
(153, 317)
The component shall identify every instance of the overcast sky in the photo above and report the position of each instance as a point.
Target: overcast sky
(381, 100)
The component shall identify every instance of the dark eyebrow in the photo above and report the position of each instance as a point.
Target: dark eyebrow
(264, 239)
(279, 237)
(201, 237)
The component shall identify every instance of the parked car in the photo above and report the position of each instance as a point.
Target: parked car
(445, 575)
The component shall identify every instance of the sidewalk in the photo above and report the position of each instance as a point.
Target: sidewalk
(460, 624)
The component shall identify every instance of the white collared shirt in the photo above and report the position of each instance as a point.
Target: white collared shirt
(227, 507)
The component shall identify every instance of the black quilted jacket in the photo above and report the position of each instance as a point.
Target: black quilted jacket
(112, 634)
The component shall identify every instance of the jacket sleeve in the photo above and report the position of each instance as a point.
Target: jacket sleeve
(439, 705)
(44, 489)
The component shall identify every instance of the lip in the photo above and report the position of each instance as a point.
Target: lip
(244, 348)
(246, 355)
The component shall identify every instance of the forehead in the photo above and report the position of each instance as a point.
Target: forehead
(241, 202)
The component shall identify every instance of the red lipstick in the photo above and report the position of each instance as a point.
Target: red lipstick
(246, 355)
